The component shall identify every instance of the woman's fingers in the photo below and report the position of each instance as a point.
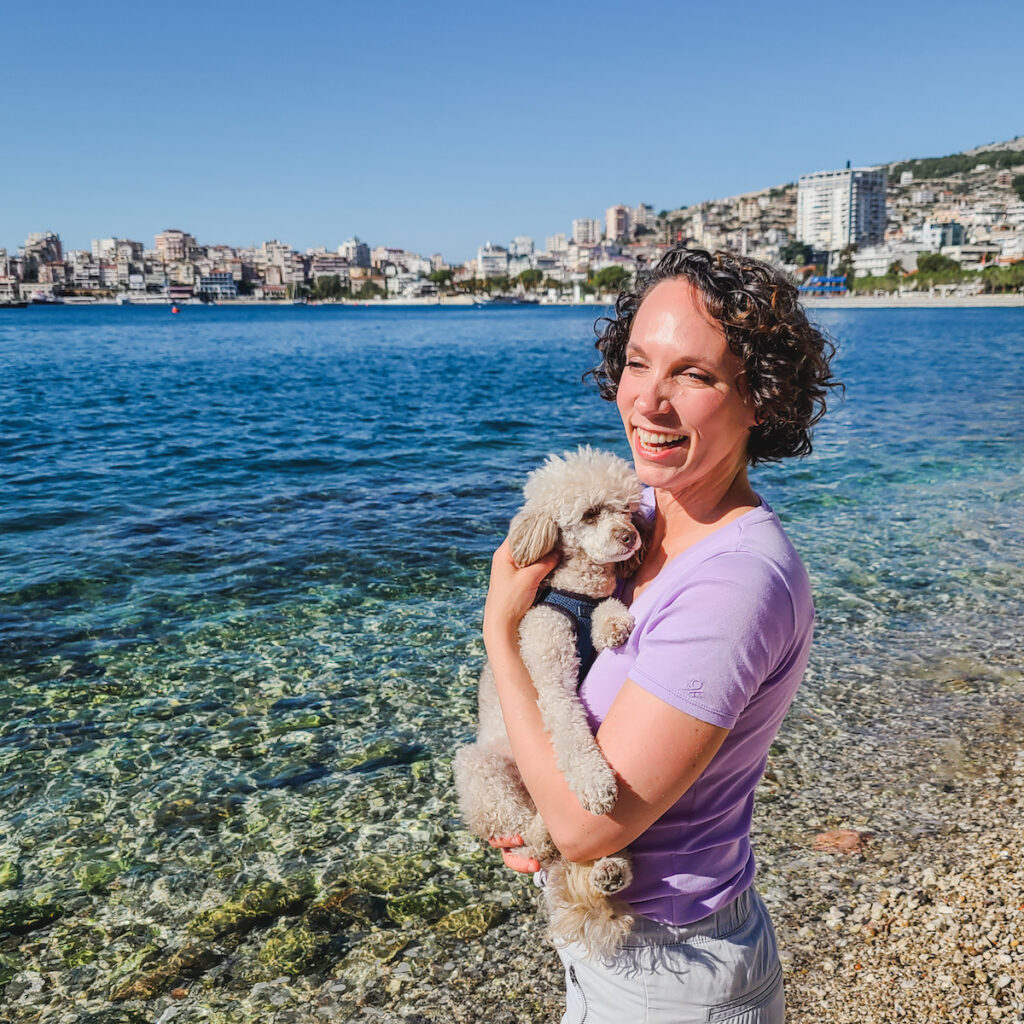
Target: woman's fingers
(524, 865)
(516, 861)
(506, 842)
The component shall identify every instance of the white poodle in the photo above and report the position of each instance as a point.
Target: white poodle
(583, 505)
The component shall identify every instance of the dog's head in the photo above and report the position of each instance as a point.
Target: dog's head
(586, 502)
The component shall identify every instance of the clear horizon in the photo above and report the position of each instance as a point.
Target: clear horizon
(439, 131)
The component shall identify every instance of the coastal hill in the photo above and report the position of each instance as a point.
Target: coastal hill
(975, 188)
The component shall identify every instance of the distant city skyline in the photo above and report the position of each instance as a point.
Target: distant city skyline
(435, 131)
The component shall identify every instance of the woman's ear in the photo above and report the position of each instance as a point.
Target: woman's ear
(531, 535)
(642, 526)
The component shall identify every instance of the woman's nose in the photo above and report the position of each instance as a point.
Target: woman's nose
(652, 397)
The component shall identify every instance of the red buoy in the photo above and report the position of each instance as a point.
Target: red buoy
(174, 309)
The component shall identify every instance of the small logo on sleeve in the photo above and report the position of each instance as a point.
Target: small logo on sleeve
(695, 686)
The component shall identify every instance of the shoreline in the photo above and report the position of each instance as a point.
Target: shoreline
(905, 301)
(911, 301)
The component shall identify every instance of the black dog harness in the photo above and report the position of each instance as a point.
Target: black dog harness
(579, 610)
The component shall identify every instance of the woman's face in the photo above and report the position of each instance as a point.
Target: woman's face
(681, 397)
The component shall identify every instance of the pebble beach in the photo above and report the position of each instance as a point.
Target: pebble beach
(239, 645)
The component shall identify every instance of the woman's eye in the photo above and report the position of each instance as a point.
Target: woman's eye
(697, 375)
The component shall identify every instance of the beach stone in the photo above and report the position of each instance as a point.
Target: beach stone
(10, 874)
(253, 904)
(470, 922)
(25, 914)
(841, 840)
(425, 905)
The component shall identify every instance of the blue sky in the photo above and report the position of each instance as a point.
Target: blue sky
(436, 127)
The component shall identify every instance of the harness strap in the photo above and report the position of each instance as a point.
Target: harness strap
(579, 610)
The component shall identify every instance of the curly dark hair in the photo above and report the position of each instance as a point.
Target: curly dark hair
(787, 361)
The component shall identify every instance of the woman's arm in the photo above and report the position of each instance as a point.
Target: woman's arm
(656, 751)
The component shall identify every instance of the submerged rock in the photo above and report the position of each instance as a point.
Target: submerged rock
(25, 914)
(470, 922)
(342, 908)
(381, 754)
(115, 1015)
(193, 811)
(10, 874)
(187, 962)
(252, 904)
(10, 965)
(295, 949)
(81, 945)
(425, 905)
(389, 876)
(94, 875)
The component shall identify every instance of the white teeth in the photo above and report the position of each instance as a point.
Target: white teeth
(650, 439)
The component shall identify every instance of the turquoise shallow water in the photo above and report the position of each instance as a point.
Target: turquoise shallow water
(243, 555)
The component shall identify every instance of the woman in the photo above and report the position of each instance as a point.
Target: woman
(714, 368)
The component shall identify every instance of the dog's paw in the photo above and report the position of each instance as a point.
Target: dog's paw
(611, 874)
(598, 796)
(617, 630)
(612, 624)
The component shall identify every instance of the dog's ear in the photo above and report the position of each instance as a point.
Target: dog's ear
(532, 535)
(642, 525)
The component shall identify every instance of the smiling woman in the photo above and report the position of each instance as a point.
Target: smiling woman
(713, 367)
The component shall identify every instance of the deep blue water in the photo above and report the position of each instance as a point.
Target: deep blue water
(240, 545)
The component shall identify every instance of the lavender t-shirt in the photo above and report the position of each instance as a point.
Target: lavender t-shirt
(723, 633)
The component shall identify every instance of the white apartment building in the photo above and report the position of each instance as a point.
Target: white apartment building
(835, 209)
(327, 265)
(356, 252)
(616, 219)
(875, 260)
(643, 216)
(748, 209)
(934, 235)
(104, 248)
(556, 243)
(586, 231)
(174, 244)
(491, 261)
(522, 245)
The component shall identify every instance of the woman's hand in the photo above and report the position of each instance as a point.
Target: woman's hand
(517, 862)
(511, 593)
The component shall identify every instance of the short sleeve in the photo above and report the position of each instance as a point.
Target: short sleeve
(717, 637)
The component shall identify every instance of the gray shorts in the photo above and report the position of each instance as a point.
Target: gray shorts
(724, 967)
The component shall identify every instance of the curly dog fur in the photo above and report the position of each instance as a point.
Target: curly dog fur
(584, 505)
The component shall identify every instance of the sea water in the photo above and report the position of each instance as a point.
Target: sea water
(244, 554)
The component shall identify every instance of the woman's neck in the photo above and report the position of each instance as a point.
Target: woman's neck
(684, 517)
(681, 520)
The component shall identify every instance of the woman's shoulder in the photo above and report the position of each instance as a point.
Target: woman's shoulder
(751, 559)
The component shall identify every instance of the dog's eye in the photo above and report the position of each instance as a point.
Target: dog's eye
(590, 515)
